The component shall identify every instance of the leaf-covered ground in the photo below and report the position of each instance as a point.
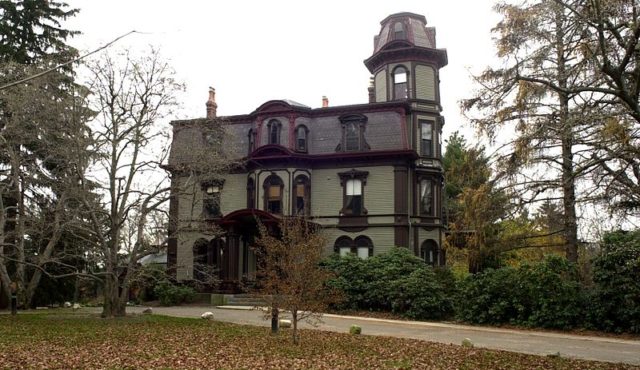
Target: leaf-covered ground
(60, 341)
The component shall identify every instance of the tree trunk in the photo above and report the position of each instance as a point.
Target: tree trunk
(566, 129)
(294, 319)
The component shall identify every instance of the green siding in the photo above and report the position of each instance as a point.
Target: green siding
(425, 82)
(381, 86)
(234, 193)
(378, 193)
(326, 192)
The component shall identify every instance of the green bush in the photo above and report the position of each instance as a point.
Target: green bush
(545, 294)
(170, 294)
(395, 281)
(616, 274)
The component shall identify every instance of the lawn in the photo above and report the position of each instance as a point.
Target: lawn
(64, 341)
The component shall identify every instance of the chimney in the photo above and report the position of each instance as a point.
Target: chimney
(372, 91)
(212, 107)
(325, 102)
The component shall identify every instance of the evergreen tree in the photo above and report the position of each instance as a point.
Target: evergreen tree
(31, 31)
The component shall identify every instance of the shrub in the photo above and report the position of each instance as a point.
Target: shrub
(616, 274)
(170, 294)
(544, 294)
(394, 281)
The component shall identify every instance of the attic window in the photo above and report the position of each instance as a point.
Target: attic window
(301, 138)
(398, 31)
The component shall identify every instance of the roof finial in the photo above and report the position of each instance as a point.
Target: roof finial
(212, 107)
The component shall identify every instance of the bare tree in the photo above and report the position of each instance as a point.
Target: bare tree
(132, 96)
(290, 273)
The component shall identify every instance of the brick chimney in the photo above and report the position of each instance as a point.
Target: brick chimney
(325, 102)
(212, 107)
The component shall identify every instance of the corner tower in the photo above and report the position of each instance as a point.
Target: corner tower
(405, 67)
(405, 61)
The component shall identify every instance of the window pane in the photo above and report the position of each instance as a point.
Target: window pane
(352, 137)
(355, 204)
(274, 206)
(354, 187)
(363, 252)
(344, 251)
(274, 191)
(273, 136)
(426, 196)
(400, 76)
(300, 190)
(426, 130)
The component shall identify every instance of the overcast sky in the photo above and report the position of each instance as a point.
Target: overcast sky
(255, 51)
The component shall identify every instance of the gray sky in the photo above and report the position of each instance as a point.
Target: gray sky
(255, 51)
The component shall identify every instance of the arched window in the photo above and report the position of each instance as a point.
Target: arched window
(426, 197)
(273, 189)
(251, 194)
(398, 31)
(429, 252)
(302, 196)
(343, 245)
(400, 90)
(362, 246)
(273, 128)
(252, 140)
(301, 138)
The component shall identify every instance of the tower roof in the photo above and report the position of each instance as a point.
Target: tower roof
(405, 36)
(406, 26)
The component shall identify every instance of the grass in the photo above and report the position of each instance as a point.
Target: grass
(64, 341)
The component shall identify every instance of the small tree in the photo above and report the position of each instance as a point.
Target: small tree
(290, 273)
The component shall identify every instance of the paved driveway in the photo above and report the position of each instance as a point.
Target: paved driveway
(539, 343)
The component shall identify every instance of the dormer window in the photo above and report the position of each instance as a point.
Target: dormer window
(273, 128)
(353, 127)
(301, 139)
(400, 90)
(398, 31)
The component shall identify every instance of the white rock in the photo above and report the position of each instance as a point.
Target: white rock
(147, 311)
(466, 342)
(76, 306)
(207, 315)
(284, 323)
(67, 304)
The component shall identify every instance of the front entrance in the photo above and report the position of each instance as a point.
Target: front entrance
(230, 258)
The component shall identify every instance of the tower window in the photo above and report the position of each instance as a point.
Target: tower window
(398, 31)
(426, 197)
(302, 195)
(400, 90)
(274, 127)
(426, 138)
(301, 138)
(273, 189)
